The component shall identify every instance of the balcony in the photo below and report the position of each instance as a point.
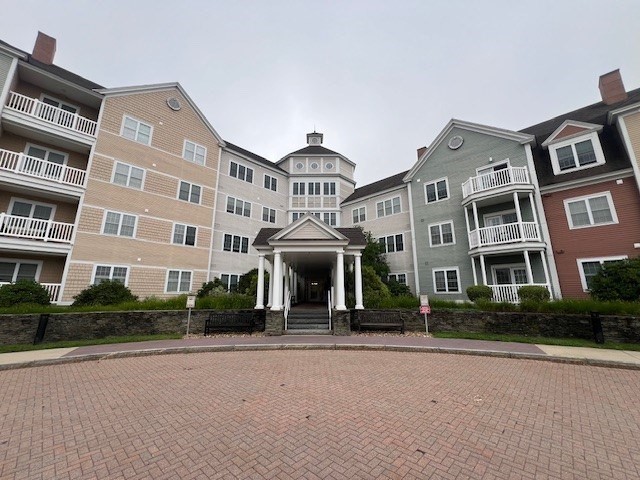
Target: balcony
(52, 288)
(504, 234)
(35, 229)
(496, 179)
(22, 164)
(509, 293)
(60, 127)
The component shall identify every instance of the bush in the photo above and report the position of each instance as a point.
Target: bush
(105, 293)
(533, 293)
(477, 292)
(408, 302)
(214, 287)
(228, 301)
(398, 289)
(617, 281)
(23, 292)
(373, 289)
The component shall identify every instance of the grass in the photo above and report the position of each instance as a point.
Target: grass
(23, 347)
(566, 342)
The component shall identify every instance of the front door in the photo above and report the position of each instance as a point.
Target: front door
(316, 291)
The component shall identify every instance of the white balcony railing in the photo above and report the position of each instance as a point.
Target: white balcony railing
(36, 167)
(49, 113)
(498, 178)
(507, 233)
(35, 229)
(52, 288)
(509, 293)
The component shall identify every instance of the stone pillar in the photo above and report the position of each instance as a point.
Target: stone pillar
(340, 303)
(358, 281)
(277, 281)
(341, 321)
(260, 292)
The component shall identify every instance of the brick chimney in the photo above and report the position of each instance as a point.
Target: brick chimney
(421, 151)
(45, 48)
(612, 88)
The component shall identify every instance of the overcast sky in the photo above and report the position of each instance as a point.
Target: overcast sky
(378, 78)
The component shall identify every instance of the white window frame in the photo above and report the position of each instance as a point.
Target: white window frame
(191, 185)
(492, 166)
(33, 203)
(104, 222)
(271, 180)
(269, 210)
(435, 183)
(184, 239)
(228, 285)
(241, 238)
(585, 198)
(235, 203)
(602, 260)
(329, 214)
(48, 151)
(195, 152)
(60, 102)
(396, 277)
(181, 272)
(95, 271)
(359, 210)
(329, 184)
(18, 261)
(501, 214)
(135, 139)
(597, 149)
(384, 214)
(439, 224)
(237, 175)
(511, 267)
(113, 175)
(446, 269)
(395, 244)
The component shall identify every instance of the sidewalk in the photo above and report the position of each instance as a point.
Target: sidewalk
(578, 355)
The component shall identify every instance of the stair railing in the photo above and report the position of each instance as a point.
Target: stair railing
(329, 306)
(287, 307)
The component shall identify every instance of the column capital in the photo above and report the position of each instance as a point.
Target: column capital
(357, 254)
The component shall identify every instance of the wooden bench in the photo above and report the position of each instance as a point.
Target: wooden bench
(380, 320)
(229, 321)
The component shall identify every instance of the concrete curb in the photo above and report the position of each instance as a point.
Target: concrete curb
(318, 346)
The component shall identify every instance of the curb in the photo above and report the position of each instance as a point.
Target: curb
(316, 346)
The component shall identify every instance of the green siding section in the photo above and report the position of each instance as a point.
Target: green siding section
(457, 166)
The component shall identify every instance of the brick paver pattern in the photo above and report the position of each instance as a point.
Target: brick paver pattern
(319, 415)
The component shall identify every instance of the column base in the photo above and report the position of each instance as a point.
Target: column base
(359, 307)
(274, 323)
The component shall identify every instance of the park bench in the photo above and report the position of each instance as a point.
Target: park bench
(229, 321)
(380, 320)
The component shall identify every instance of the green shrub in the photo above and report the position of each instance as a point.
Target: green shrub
(23, 292)
(373, 289)
(229, 301)
(214, 287)
(534, 293)
(617, 281)
(402, 301)
(477, 292)
(105, 293)
(398, 289)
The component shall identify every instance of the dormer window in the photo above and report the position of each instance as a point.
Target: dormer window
(575, 146)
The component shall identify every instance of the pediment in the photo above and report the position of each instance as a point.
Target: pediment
(308, 227)
(570, 129)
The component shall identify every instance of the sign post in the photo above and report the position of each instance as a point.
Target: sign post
(191, 303)
(426, 310)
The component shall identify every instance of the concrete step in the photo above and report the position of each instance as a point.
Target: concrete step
(308, 319)
(308, 326)
(308, 332)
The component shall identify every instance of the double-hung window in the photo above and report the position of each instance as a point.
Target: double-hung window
(590, 210)
(576, 153)
(298, 188)
(194, 152)
(120, 224)
(238, 207)
(103, 273)
(388, 207)
(241, 172)
(268, 215)
(235, 243)
(441, 234)
(270, 183)
(136, 130)
(314, 188)
(189, 192)
(589, 268)
(128, 175)
(446, 280)
(329, 188)
(392, 243)
(398, 277)
(330, 219)
(184, 234)
(437, 190)
(50, 166)
(230, 281)
(178, 281)
(12, 270)
(359, 214)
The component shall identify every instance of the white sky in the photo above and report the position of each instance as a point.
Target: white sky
(378, 78)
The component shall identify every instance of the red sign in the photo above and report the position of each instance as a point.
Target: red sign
(425, 309)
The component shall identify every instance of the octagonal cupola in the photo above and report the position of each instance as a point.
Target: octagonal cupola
(314, 138)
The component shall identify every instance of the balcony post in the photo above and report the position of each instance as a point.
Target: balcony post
(483, 267)
(475, 273)
(527, 262)
(516, 202)
(477, 223)
(546, 271)
(48, 231)
(535, 214)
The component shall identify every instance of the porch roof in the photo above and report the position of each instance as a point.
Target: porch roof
(354, 235)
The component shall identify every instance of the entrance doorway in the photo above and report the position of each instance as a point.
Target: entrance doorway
(315, 290)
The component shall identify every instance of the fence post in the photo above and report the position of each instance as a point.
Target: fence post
(596, 326)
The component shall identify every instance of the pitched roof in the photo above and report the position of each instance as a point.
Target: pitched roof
(610, 140)
(377, 187)
(252, 156)
(355, 236)
(314, 150)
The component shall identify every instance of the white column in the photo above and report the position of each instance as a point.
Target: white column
(546, 272)
(535, 219)
(483, 267)
(340, 304)
(475, 274)
(527, 263)
(260, 292)
(287, 284)
(295, 285)
(270, 300)
(475, 219)
(277, 281)
(516, 202)
(358, 281)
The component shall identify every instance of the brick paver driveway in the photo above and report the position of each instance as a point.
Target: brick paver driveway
(319, 414)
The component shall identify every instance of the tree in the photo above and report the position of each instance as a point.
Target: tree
(374, 256)
(617, 281)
